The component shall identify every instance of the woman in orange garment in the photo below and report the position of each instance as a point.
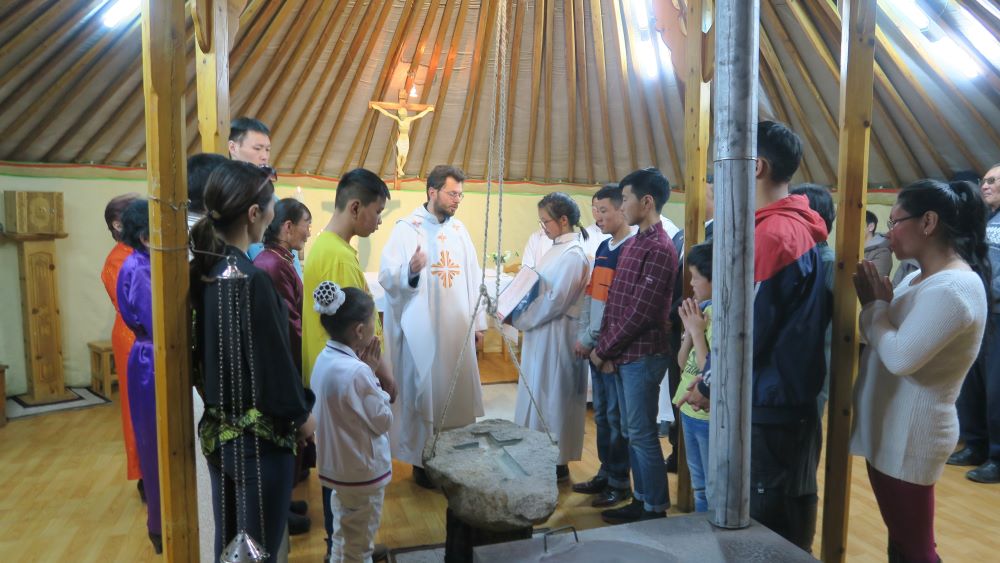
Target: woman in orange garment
(121, 336)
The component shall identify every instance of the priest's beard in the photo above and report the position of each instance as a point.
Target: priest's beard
(439, 210)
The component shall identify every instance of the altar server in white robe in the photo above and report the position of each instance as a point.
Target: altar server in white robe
(431, 277)
(557, 377)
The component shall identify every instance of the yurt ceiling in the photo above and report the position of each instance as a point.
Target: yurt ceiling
(592, 88)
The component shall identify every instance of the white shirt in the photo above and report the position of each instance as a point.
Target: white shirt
(920, 348)
(353, 420)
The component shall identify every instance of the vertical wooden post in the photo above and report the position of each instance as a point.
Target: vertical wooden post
(697, 99)
(857, 76)
(736, 71)
(163, 38)
(211, 20)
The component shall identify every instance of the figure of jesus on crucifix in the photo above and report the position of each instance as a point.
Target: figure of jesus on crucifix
(399, 112)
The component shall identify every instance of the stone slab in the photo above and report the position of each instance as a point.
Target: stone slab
(666, 540)
(496, 475)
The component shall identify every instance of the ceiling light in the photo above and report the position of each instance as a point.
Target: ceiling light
(120, 11)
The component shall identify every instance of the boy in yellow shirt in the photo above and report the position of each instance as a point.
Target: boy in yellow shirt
(696, 314)
(361, 198)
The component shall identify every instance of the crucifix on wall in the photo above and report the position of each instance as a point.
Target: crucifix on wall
(399, 112)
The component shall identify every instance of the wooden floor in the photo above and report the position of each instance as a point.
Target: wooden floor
(63, 497)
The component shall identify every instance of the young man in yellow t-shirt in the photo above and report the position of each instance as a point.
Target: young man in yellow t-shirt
(361, 198)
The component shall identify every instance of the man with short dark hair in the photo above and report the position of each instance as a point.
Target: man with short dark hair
(250, 141)
(611, 484)
(634, 339)
(431, 277)
(358, 205)
(792, 307)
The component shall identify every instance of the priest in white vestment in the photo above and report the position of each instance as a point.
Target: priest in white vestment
(431, 277)
(556, 376)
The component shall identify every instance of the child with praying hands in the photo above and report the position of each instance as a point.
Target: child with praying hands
(353, 420)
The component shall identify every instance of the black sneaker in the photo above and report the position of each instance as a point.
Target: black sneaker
(967, 456)
(592, 487)
(647, 515)
(610, 497)
(420, 477)
(988, 472)
(624, 515)
(299, 507)
(298, 524)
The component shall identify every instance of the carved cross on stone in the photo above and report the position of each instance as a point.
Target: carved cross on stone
(508, 465)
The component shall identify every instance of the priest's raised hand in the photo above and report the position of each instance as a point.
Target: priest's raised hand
(417, 262)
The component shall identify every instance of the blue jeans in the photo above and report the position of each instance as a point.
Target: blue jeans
(696, 449)
(638, 386)
(612, 447)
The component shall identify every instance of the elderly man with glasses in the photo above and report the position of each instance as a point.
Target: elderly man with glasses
(979, 403)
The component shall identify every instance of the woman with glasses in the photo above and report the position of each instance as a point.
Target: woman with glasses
(556, 376)
(922, 338)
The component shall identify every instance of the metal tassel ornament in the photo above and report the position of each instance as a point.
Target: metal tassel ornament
(243, 549)
(232, 272)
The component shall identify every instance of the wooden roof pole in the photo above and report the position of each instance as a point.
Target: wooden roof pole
(571, 89)
(820, 48)
(550, 19)
(519, 9)
(373, 9)
(857, 81)
(211, 31)
(389, 65)
(449, 66)
(411, 77)
(580, 29)
(597, 23)
(163, 54)
(737, 56)
(537, 48)
(623, 83)
(479, 56)
(774, 63)
(432, 68)
(315, 95)
(640, 87)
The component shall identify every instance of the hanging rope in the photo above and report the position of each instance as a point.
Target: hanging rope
(495, 165)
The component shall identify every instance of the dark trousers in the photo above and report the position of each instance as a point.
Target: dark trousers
(783, 463)
(275, 488)
(979, 402)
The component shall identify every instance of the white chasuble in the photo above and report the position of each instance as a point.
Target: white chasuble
(426, 322)
(557, 378)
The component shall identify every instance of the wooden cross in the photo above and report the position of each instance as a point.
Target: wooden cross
(399, 112)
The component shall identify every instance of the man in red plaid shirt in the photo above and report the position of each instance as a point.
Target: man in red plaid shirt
(634, 340)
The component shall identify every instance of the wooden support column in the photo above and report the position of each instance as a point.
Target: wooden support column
(697, 104)
(857, 78)
(211, 26)
(163, 39)
(736, 70)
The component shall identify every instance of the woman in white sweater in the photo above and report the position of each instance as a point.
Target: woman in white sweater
(922, 338)
(353, 420)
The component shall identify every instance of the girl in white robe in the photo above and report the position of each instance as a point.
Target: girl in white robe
(556, 376)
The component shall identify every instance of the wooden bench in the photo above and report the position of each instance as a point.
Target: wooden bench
(103, 375)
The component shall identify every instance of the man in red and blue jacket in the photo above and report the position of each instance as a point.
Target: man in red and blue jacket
(792, 307)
